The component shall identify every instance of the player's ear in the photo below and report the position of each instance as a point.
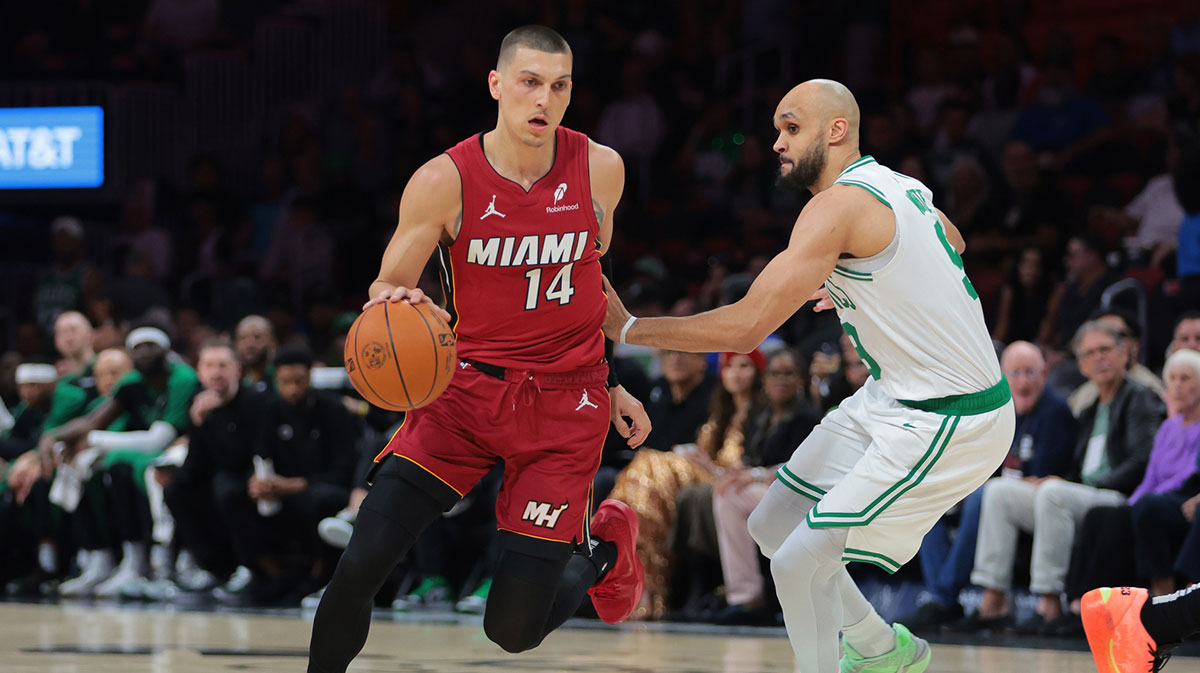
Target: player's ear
(494, 84)
(838, 130)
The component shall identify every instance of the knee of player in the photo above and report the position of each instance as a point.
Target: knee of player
(804, 551)
(759, 524)
(510, 634)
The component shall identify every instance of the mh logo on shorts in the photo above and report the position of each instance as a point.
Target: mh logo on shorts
(543, 514)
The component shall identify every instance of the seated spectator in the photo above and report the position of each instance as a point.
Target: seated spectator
(772, 436)
(28, 476)
(1111, 451)
(653, 479)
(18, 555)
(1166, 535)
(73, 340)
(35, 384)
(1108, 552)
(1079, 295)
(255, 344)
(303, 475)
(1023, 299)
(77, 390)
(1041, 448)
(1151, 220)
(1131, 337)
(226, 417)
(1187, 332)
(154, 398)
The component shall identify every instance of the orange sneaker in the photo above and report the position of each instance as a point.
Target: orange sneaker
(615, 596)
(1112, 618)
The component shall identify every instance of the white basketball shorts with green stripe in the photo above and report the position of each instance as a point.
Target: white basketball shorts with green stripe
(888, 472)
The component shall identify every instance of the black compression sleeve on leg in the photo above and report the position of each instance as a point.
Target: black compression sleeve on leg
(394, 513)
(1170, 619)
(524, 594)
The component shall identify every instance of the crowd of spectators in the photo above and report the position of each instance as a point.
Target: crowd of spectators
(1071, 166)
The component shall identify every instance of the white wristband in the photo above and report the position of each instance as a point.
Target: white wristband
(625, 329)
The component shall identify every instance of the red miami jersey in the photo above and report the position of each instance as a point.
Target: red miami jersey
(522, 280)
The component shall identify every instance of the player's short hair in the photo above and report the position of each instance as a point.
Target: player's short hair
(294, 355)
(536, 37)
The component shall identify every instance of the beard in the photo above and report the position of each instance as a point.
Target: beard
(807, 169)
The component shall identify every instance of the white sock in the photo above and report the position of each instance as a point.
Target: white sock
(871, 636)
(47, 558)
(135, 556)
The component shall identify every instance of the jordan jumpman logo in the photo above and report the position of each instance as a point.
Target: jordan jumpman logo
(585, 402)
(491, 209)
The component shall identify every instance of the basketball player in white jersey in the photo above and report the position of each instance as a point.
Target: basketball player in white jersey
(932, 423)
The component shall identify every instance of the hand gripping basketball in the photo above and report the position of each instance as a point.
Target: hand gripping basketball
(400, 355)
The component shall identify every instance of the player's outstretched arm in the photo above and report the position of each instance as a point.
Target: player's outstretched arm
(607, 175)
(430, 209)
(789, 280)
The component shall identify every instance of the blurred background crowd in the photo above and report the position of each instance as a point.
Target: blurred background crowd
(256, 154)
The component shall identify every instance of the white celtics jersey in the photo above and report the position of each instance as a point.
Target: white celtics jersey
(914, 318)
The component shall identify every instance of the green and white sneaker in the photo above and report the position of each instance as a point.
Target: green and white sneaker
(433, 593)
(911, 655)
(477, 601)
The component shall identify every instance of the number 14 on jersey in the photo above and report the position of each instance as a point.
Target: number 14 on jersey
(560, 289)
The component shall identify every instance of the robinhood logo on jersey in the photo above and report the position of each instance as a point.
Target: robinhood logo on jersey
(559, 193)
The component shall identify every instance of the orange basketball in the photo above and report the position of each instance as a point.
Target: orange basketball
(400, 356)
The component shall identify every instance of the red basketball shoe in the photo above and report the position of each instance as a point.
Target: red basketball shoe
(1112, 618)
(617, 594)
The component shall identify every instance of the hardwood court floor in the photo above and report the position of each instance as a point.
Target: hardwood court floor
(98, 639)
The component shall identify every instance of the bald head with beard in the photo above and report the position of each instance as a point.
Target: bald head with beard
(818, 122)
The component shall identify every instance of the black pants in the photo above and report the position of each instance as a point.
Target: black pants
(537, 585)
(129, 506)
(197, 529)
(292, 530)
(1103, 553)
(1167, 543)
(454, 546)
(91, 521)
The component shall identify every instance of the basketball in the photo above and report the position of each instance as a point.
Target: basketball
(400, 356)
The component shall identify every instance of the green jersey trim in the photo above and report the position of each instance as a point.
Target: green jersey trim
(870, 190)
(862, 161)
(817, 519)
(970, 404)
(862, 556)
(789, 479)
(851, 274)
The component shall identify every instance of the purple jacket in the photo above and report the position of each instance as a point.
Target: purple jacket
(1173, 458)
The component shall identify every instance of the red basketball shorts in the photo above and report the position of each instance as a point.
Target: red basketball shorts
(549, 429)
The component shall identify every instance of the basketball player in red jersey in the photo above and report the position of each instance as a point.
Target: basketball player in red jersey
(520, 216)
